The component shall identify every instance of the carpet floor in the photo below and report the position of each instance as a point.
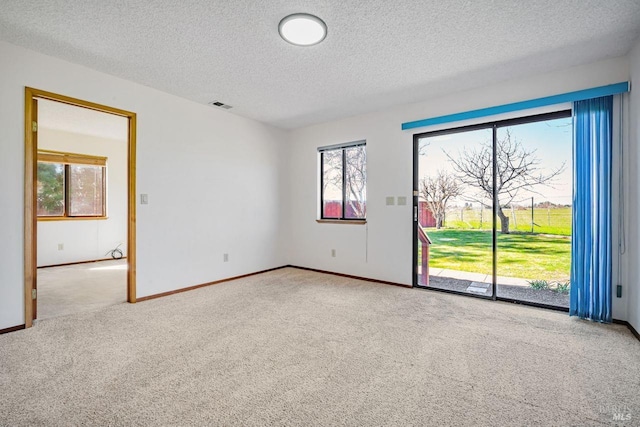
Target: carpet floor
(70, 289)
(293, 347)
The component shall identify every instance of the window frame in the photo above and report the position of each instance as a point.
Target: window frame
(67, 160)
(494, 125)
(342, 148)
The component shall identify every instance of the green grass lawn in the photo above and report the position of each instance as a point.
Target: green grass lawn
(528, 256)
(545, 221)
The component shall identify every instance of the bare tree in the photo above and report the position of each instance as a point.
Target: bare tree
(518, 170)
(437, 191)
(422, 147)
(354, 179)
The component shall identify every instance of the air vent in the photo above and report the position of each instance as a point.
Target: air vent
(220, 104)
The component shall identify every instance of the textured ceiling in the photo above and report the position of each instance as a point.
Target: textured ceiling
(378, 53)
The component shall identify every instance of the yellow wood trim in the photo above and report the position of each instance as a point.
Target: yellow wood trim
(342, 221)
(104, 193)
(51, 156)
(131, 236)
(71, 218)
(42, 94)
(30, 224)
(30, 205)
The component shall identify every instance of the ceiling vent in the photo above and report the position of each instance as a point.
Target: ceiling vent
(220, 105)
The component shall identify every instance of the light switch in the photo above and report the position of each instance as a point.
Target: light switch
(402, 201)
(391, 200)
(144, 199)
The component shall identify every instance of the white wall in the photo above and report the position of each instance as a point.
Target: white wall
(633, 156)
(383, 248)
(219, 183)
(213, 180)
(620, 215)
(86, 240)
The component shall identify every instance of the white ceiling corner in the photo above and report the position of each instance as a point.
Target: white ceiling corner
(68, 118)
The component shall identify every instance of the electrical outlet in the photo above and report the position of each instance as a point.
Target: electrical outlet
(60, 246)
(333, 253)
(225, 257)
(402, 201)
(390, 200)
(144, 199)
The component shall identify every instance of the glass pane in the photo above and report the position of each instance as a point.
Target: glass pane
(455, 212)
(50, 189)
(85, 190)
(534, 219)
(356, 182)
(332, 184)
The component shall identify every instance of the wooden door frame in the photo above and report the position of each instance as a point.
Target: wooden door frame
(30, 193)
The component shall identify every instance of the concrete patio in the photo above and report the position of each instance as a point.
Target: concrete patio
(516, 292)
(477, 277)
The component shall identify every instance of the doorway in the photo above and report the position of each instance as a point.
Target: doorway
(74, 173)
(492, 210)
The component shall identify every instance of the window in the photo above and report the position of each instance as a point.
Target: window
(343, 181)
(71, 185)
(495, 201)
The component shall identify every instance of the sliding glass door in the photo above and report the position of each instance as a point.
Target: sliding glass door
(534, 221)
(492, 209)
(454, 220)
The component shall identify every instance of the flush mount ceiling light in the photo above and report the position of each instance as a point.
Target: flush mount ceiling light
(302, 29)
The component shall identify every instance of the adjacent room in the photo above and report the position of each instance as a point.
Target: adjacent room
(330, 213)
(81, 209)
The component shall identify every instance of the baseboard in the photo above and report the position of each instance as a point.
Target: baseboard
(202, 285)
(79, 262)
(633, 331)
(384, 282)
(628, 325)
(11, 329)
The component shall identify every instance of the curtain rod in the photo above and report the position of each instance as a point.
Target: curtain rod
(579, 95)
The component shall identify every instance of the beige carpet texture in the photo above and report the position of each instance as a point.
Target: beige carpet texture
(74, 288)
(293, 347)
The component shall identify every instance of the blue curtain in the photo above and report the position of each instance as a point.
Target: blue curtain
(591, 241)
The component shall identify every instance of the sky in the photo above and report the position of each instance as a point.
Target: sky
(551, 140)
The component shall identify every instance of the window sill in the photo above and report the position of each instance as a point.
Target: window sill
(72, 218)
(342, 221)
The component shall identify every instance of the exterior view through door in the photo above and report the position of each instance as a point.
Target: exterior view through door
(492, 207)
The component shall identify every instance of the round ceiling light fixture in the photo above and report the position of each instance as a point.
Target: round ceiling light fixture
(302, 29)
